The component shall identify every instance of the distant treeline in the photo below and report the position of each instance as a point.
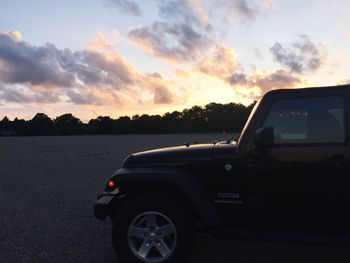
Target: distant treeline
(214, 117)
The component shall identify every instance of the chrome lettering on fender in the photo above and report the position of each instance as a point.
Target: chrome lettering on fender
(228, 195)
(228, 198)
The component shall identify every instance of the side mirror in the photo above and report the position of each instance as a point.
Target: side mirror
(264, 137)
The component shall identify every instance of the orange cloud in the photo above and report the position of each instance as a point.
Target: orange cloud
(99, 75)
(109, 59)
(98, 43)
(274, 80)
(220, 61)
(14, 34)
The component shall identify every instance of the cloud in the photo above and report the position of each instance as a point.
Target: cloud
(347, 34)
(122, 75)
(96, 75)
(91, 96)
(20, 94)
(210, 12)
(279, 79)
(173, 42)
(300, 56)
(221, 62)
(124, 6)
(180, 34)
(238, 78)
(23, 63)
(198, 8)
(224, 12)
(242, 8)
(343, 82)
(156, 83)
(185, 29)
(186, 11)
(108, 68)
(13, 34)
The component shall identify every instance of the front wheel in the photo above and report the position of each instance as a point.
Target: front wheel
(152, 229)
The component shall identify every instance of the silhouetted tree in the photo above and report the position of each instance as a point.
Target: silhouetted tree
(214, 117)
(20, 126)
(4, 122)
(4, 126)
(41, 124)
(123, 125)
(146, 124)
(67, 124)
(171, 122)
(101, 125)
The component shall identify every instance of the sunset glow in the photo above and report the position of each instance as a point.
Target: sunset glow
(115, 58)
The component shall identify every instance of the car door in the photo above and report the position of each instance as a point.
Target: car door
(308, 174)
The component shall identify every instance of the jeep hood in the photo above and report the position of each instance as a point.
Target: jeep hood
(182, 154)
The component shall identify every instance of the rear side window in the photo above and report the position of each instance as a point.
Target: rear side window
(308, 120)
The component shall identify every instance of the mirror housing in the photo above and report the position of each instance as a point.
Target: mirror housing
(264, 137)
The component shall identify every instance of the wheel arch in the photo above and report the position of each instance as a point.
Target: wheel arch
(176, 184)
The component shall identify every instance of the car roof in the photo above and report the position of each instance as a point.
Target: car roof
(310, 90)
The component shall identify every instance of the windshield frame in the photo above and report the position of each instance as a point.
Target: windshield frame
(252, 113)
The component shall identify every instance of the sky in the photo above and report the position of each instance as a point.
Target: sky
(125, 57)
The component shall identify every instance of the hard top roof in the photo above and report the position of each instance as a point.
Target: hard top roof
(315, 90)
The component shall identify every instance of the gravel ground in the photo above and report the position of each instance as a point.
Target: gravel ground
(48, 186)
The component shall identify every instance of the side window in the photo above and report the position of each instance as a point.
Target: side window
(308, 120)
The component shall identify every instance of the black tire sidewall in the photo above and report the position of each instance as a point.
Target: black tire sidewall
(177, 213)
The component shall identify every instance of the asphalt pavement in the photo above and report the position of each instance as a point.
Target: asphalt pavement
(48, 186)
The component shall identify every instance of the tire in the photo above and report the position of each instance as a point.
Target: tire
(137, 230)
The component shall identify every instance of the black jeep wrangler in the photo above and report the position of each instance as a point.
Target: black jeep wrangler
(287, 177)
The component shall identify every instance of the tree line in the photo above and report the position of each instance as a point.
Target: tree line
(214, 117)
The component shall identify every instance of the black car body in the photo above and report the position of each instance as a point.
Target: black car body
(287, 172)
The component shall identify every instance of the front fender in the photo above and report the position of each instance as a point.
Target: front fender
(182, 180)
